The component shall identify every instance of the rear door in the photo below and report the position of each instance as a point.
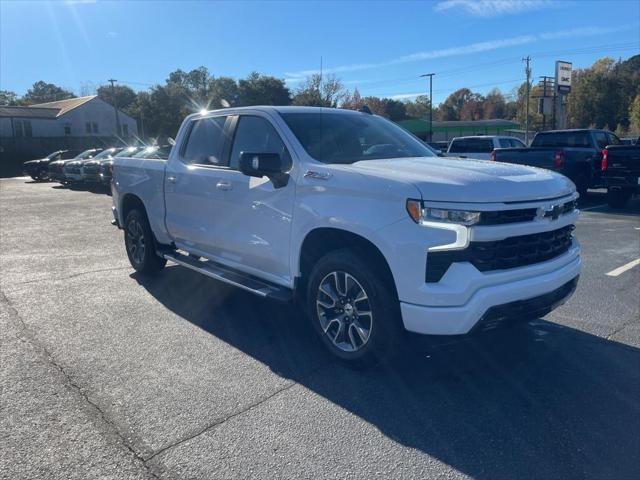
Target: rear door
(193, 182)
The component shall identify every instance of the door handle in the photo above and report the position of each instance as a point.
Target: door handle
(172, 179)
(223, 185)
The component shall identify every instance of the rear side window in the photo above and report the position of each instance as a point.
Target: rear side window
(505, 143)
(472, 145)
(601, 139)
(256, 135)
(562, 139)
(204, 145)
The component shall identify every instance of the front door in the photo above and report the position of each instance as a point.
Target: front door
(193, 184)
(252, 219)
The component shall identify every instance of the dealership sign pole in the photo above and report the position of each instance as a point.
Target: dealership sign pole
(563, 87)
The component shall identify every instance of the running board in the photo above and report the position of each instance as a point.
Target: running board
(231, 277)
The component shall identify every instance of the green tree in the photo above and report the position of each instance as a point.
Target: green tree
(259, 89)
(418, 108)
(121, 95)
(43, 92)
(223, 92)
(634, 116)
(7, 97)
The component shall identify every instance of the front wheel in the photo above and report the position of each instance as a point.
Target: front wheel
(352, 309)
(138, 239)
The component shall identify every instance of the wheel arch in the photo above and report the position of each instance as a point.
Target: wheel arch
(322, 240)
(129, 202)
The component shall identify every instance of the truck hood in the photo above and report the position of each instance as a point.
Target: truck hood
(470, 181)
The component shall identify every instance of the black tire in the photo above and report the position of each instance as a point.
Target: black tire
(618, 198)
(384, 321)
(140, 244)
(582, 184)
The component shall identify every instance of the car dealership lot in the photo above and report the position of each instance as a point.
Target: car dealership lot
(109, 375)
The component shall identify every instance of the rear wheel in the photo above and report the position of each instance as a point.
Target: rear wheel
(582, 184)
(352, 309)
(140, 244)
(618, 198)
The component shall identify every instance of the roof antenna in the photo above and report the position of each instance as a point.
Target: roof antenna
(365, 109)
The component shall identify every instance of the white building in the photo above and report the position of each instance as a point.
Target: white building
(74, 124)
(75, 117)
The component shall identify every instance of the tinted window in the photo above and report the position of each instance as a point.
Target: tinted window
(333, 137)
(601, 139)
(256, 135)
(505, 143)
(562, 139)
(472, 145)
(613, 140)
(204, 145)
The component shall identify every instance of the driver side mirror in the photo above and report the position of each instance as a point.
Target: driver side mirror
(268, 165)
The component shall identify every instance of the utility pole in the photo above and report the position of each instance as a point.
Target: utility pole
(527, 70)
(115, 106)
(430, 75)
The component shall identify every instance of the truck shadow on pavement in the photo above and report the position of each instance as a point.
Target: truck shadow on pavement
(537, 401)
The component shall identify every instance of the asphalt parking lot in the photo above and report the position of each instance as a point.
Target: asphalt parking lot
(105, 374)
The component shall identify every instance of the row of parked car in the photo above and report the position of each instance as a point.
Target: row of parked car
(92, 166)
(591, 158)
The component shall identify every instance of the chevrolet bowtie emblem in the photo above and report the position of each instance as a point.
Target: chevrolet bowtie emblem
(552, 211)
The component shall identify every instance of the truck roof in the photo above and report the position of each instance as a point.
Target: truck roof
(283, 109)
(568, 130)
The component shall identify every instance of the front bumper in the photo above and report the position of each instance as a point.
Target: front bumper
(461, 319)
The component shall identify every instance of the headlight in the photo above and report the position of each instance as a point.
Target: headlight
(421, 214)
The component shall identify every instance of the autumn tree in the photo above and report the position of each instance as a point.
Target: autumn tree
(319, 91)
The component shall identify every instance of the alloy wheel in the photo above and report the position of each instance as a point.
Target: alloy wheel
(344, 311)
(135, 241)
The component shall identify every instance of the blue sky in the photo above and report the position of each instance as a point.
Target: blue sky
(379, 47)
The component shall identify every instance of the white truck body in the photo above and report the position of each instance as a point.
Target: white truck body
(248, 225)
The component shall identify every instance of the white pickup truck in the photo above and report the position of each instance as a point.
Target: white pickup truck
(356, 220)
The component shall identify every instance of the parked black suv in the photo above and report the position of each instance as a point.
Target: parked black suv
(39, 169)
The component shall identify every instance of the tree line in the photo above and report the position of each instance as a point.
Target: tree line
(607, 94)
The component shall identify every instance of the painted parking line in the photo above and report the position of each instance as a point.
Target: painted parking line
(624, 268)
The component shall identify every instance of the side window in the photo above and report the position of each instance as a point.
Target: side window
(458, 146)
(613, 139)
(256, 135)
(506, 143)
(601, 139)
(204, 144)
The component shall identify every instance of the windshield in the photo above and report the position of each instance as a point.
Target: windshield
(108, 153)
(145, 152)
(53, 155)
(127, 152)
(86, 154)
(339, 137)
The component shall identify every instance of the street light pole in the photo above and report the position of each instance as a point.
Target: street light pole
(430, 75)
